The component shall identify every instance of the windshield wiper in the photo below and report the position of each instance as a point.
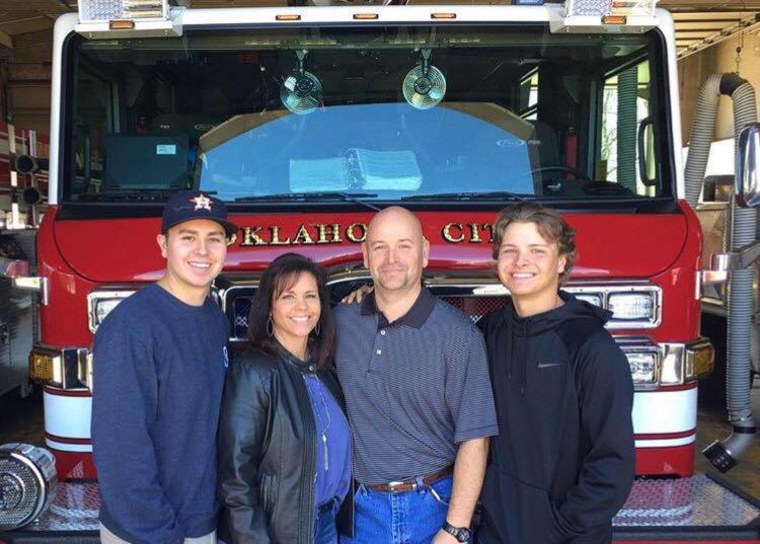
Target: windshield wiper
(471, 195)
(129, 195)
(312, 197)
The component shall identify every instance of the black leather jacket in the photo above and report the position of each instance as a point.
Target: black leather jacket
(267, 452)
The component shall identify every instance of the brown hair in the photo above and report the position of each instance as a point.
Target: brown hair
(550, 224)
(280, 276)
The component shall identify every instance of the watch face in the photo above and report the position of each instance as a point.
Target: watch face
(463, 535)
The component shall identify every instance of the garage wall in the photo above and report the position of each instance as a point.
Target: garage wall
(28, 83)
(696, 68)
(25, 72)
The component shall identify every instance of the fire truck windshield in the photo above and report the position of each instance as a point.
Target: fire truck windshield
(388, 113)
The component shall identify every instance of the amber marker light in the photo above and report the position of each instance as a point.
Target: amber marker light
(121, 25)
(366, 16)
(43, 367)
(700, 358)
(443, 15)
(614, 20)
(289, 17)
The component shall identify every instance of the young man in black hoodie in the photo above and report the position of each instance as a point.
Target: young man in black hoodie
(563, 463)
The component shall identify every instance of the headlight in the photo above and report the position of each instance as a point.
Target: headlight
(643, 368)
(665, 364)
(27, 484)
(102, 308)
(101, 303)
(631, 306)
(644, 359)
(634, 305)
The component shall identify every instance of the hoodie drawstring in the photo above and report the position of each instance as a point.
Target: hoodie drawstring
(511, 340)
(524, 358)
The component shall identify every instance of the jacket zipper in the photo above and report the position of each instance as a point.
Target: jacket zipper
(308, 489)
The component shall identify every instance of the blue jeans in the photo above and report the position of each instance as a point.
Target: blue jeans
(325, 531)
(413, 517)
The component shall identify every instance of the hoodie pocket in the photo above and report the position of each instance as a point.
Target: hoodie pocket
(525, 511)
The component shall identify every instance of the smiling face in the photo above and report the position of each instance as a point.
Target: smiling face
(530, 267)
(194, 252)
(395, 251)
(295, 311)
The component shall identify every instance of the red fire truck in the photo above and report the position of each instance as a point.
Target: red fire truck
(306, 120)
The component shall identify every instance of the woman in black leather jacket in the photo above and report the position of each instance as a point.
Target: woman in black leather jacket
(284, 443)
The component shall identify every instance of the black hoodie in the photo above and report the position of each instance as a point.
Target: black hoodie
(563, 463)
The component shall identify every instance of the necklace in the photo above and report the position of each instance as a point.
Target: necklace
(314, 382)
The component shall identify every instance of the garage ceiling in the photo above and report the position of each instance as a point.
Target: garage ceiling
(699, 23)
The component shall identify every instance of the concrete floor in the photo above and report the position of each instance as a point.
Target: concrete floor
(21, 420)
(713, 425)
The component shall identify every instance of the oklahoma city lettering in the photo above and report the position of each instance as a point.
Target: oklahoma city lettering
(338, 233)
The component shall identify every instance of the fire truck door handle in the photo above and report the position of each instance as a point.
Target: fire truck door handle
(642, 148)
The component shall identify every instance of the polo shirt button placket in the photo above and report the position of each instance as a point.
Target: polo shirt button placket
(382, 333)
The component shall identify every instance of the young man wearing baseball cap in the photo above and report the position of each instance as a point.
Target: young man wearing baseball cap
(159, 364)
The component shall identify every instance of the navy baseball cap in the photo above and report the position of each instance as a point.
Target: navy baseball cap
(189, 205)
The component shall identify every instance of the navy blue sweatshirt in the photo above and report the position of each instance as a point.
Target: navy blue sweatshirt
(159, 367)
(563, 463)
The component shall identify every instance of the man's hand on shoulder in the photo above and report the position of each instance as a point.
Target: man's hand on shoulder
(357, 296)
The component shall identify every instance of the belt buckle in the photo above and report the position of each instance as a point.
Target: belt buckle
(392, 486)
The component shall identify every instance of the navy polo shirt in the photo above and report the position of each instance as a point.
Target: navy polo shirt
(414, 388)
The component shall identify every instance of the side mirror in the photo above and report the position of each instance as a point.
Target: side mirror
(747, 184)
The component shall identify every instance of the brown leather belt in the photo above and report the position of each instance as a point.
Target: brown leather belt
(411, 484)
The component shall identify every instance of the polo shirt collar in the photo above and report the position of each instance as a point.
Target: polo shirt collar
(415, 317)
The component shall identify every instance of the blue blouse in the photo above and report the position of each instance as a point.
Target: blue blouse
(333, 444)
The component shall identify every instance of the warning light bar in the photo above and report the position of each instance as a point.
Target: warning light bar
(126, 18)
(601, 16)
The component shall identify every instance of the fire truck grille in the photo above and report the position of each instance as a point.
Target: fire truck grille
(238, 306)
(241, 309)
(477, 307)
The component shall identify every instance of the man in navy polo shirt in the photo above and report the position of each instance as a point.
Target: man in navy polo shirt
(159, 364)
(419, 399)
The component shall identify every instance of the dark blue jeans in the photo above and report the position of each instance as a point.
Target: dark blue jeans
(413, 517)
(325, 531)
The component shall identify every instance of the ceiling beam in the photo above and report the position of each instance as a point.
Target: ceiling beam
(699, 32)
(700, 25)
(704, 5)
(747, 24)
(712, 15)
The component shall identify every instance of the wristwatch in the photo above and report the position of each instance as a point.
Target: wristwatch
(462, 534)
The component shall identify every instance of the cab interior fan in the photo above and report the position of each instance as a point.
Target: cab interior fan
(424, 85)
(301, 91)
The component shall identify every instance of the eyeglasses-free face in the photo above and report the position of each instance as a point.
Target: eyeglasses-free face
(530, 266)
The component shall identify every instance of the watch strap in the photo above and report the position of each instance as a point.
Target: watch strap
(462, 534)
